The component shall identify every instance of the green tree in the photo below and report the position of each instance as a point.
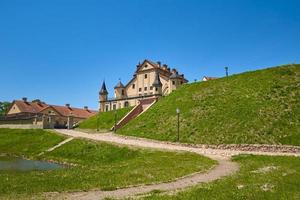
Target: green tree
(3, 107)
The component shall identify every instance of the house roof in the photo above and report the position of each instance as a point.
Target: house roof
(30, 107)
(36, 107)
(119, 85)
(175, 76)
(210, 78)
(153, 64)
(75, 112)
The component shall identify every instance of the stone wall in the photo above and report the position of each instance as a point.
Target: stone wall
(254, 147)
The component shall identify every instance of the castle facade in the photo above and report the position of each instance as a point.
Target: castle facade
(150, 80)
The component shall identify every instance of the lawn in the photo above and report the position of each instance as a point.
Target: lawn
(106, 120)
(94, 165)
(254, 107)
(260, 177)
(27, 142)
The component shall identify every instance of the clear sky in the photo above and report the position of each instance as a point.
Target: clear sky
(61, 50)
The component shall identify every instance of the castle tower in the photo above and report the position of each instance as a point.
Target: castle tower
(175, 80)
(120, 90)
(157, 84)
(102, 97)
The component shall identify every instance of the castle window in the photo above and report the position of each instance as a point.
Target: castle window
(140, 89)
(133, 86)
(145, 88)
(114, 107)
(123, 93)
(106, 108)
(151, 87)
(173, 82)
(156, 89)
(146, 75)
(145, 94)
(126, 104)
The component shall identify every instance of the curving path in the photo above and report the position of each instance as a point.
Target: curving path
(224, 168)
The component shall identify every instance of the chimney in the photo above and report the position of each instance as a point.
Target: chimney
(68, 105)
(159, 63)
(165, 67)
(24, 99)
(86, 108)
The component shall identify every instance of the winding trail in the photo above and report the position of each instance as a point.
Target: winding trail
(225, 166)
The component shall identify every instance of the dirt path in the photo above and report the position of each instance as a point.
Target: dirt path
(224, 168)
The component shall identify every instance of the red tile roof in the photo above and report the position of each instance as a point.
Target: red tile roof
(30, 107)
(35, 107)
(75, 112)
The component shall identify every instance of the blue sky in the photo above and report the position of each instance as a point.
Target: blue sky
(61, 50)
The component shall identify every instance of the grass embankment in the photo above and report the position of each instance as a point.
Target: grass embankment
(27, 142)
(260, 177)
(98, 165)
(254, 107)
(106, 120)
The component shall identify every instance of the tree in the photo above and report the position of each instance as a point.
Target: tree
(4, 107)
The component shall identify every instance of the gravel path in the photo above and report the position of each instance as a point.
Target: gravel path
(60, 144)
(224, 168)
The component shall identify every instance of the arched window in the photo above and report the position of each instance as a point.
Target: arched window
(126, 104)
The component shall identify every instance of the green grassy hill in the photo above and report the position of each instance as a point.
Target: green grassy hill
(254, 107)
(106, 120)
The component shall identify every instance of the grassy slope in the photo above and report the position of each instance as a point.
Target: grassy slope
(281, 182)
(27, 142)
(254, 107)
(106, 120)
(99, 165)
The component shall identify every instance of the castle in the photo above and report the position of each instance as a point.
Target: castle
(150, 80)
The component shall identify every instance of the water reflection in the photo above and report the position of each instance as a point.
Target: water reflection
(20, 164)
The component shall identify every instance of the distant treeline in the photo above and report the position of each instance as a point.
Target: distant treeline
(3, 107)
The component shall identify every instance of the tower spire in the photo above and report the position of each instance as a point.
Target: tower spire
(103, 89)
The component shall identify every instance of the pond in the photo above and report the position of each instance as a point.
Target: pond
(21, 164)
